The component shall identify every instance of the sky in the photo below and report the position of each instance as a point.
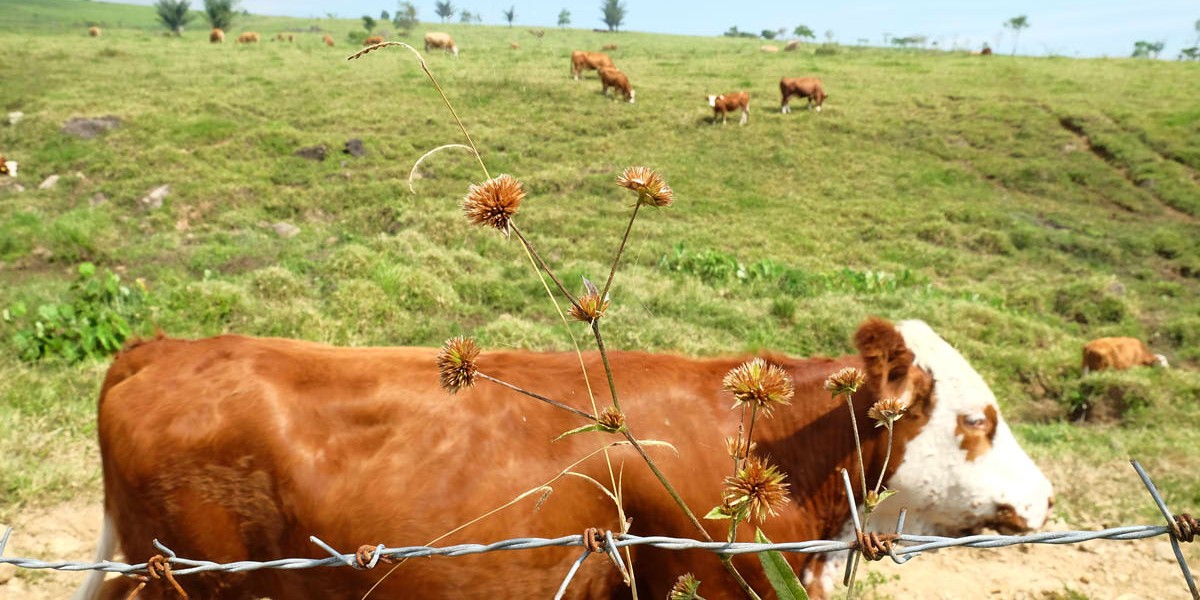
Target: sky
(1056, 27)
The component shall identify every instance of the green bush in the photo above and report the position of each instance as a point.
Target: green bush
(94, 320)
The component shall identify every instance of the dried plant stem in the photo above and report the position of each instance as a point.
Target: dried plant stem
(862, 472)
(733, 525)
(612, 385)
(886, 458)
(554, 403)
(621, 249)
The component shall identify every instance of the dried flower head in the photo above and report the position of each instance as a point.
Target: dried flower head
(611, 419)
(738, 449)
(456, 363)
(760, 384)
(651, 188)
(887, 411)
(845, 381)
(685, 588)
(494, 202)
(590, 306)
(757, 491)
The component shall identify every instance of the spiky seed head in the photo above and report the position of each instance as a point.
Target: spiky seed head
(845, 381)
(611, 419)
(651, 188)
(494, 202)
(758, 490)
(456, 363)
(591, 306)
(887, 411)
(685, 588)
(738, 449)
(760, 384)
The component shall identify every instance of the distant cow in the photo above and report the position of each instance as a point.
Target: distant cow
(249, 37)
(723, 104)
(8, 168)
(608, 47)
(371, 41)
(514, 46)
(581, 59)
(769, 48)
(94, 31)
(1118, 353)
(801, 87)
(437, 39)
(328, 39)
(791, 46)
(216, 36)
(612, 77)
(279, 37)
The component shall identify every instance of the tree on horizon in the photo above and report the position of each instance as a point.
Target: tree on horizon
(614, 14)
(445, 10)
(1017, 24)
(564, 18)
(174, 14)
(804, 32)
(510, 14)
(220, 13)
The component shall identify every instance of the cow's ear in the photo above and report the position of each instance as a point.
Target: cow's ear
(885, 355)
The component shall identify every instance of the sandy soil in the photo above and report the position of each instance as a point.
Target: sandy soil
(1100, 570)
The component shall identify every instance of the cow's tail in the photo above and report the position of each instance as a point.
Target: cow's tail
(105, 550)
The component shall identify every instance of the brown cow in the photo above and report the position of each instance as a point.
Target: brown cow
(801, 87)
(8, 168)
(612, 77)
(216, 36)
(234, 448)
(723, 104)
(437, 39)
(1118, 353)
(328, 39)
(94, 31)
(371, 41)
(608, 47)
(279, 37)
(582, 59)
(249, 37)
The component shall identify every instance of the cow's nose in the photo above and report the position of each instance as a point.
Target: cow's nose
(1049, 504)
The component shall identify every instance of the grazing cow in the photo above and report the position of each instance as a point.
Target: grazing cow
(608, 47)
(612, 77)
(234, 448)
(371, 41)
(791, 46)
(328, 39)
(769, 48)
(279, 37)
(94, 31)
(514, 46)
(582, 59)
(437, 39)
(249, 37)
(8, 168)
(801, 87)
(1118, 353)
(987, 51)
(723, 104)
(216, 36)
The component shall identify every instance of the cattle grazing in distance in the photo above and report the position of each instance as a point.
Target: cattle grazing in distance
(612, 77)
(249, 37)
(371, 41)
(582, 59)
(279, 37)
(791, 46)
(1118, 353)
(328, 39)
(801, 87)
(94, 31)
(769, 48)
(216, 36)
(437, 39)
(514, 46)
(235, 448)
(8, 168)
(723, 104)
(608, 47)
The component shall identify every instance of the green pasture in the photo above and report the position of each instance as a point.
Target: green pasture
(1020, 205)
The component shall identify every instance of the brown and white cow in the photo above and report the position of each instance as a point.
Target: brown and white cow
(8, 168)
(216, 36)
(437, 39)
(372, 40)
(328, 39)
(1118, 353)
(612, 77)
(249, 37)
(582, 59)
(235, 448)
(723, 104)
(94, 31)
(801, 87)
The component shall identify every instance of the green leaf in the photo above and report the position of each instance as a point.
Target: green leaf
(87, 269)
(783, 579)
(592, 427)
(718, 513)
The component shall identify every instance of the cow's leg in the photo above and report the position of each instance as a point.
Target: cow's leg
(745, 115)
(783, 105)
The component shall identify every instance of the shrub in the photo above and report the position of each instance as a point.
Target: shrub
(93, 322)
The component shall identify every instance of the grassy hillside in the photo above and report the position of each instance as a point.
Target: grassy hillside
(1020, 205)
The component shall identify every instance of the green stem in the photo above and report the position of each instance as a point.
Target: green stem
(554, 403)
(612, 385)
(621, 249)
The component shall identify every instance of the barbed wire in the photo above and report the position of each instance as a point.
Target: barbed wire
(900, 547)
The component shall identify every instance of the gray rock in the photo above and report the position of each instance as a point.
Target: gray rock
(90, 128)
(285, 230)
(312, 152)
(49, 183)
(155, 198)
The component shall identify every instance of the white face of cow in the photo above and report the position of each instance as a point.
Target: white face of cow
(632, 95)
(11, 167)
(964, 470)
(712, 101)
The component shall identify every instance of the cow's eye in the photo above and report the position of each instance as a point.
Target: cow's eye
(974, 420)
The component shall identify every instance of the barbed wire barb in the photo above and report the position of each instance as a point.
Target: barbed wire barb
(1173, 533)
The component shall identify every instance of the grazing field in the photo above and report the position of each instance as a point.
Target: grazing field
(1022, 206)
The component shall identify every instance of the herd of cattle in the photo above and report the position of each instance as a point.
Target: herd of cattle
(235, 448)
